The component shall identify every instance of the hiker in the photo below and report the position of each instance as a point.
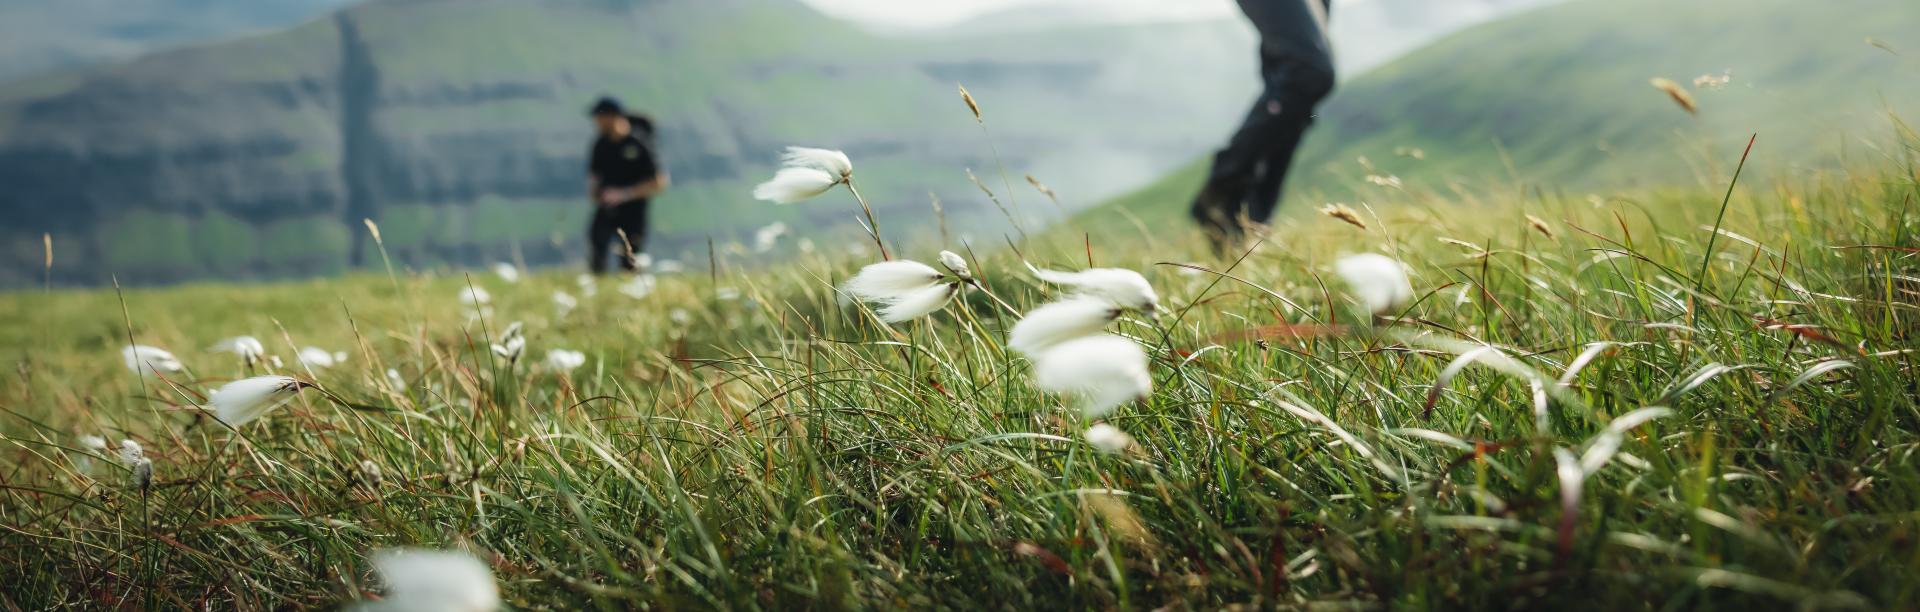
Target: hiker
(1297, 69)
(622, 172)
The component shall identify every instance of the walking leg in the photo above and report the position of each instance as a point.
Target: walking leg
(599, 233)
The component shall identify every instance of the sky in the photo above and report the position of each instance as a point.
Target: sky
(926, 13)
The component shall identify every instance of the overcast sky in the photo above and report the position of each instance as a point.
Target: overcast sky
(922, 13)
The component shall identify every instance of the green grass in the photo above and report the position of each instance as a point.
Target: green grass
(781, 450)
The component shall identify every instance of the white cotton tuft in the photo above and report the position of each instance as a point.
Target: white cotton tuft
(506, 272)
(395, 380)
(316, 357)
(1380, 282)
(588, 284)
(826, 160)
(956, 264)
(242, 401)
(248, 348)
(563, 360)
(563, 304)
(435, 581)
(768, 237)
(639, 287)
(1108, 438)
(890, 280)
(905, 289)
(131, 453)
(791, 185)
(511, 344)
(147, 360)
(680, 316)
(1103, 371)
(919, 303)
(1124, 287)
(93, 443)
(475, 296)
(1060, 321)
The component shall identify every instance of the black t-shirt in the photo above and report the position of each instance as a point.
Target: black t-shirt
(627, 161)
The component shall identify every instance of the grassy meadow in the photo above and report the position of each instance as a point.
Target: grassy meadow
(1632, 400)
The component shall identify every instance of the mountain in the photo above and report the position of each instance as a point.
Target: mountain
(1559, 99)
(1365, 33)
(38, 36)
(1368, 33)
(458, 126)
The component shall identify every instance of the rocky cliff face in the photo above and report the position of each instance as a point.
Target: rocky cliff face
(457, 125)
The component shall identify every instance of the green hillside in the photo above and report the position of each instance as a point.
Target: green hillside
(1559, 99)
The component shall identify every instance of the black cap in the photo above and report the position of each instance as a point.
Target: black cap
(606, 106)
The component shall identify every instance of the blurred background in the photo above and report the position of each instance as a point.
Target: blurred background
(162, 141)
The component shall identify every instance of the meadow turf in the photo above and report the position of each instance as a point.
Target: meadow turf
(741, 438)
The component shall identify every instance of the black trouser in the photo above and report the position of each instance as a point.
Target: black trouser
(608, 223)
(1298, 72)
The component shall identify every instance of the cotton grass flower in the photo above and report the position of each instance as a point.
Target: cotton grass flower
(475, 296)
(563, 360)
(1060, 321)
(435, 581)
(919, 303)
(956, 264)
(1104, 371)
(768, 237)
(791, 185)
(512, 343)
(639, 287)
(1071, 355)
(1125, 288)
(243, 401)
(131, 452)
(1380, 282)
(143, 475)
(1108, 438)
(563, 304)
(248, 348)
(904, 289)
(149, 360)
(826, 160)
(141, 468)
(506, 271)
(314, 357)
(477, 302)
(588, 284)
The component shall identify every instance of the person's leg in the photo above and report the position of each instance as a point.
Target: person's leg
(633, 224)
(599, 233)
(1296, 85)
(1297, 72)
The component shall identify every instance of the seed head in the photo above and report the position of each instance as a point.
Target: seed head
(1678, 93)
(1343, 213)
(967, 96)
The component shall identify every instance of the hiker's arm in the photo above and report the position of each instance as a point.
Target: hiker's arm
(652, 188)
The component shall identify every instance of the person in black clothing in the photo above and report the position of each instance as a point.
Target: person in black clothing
(1297, 68)
(622, 173)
